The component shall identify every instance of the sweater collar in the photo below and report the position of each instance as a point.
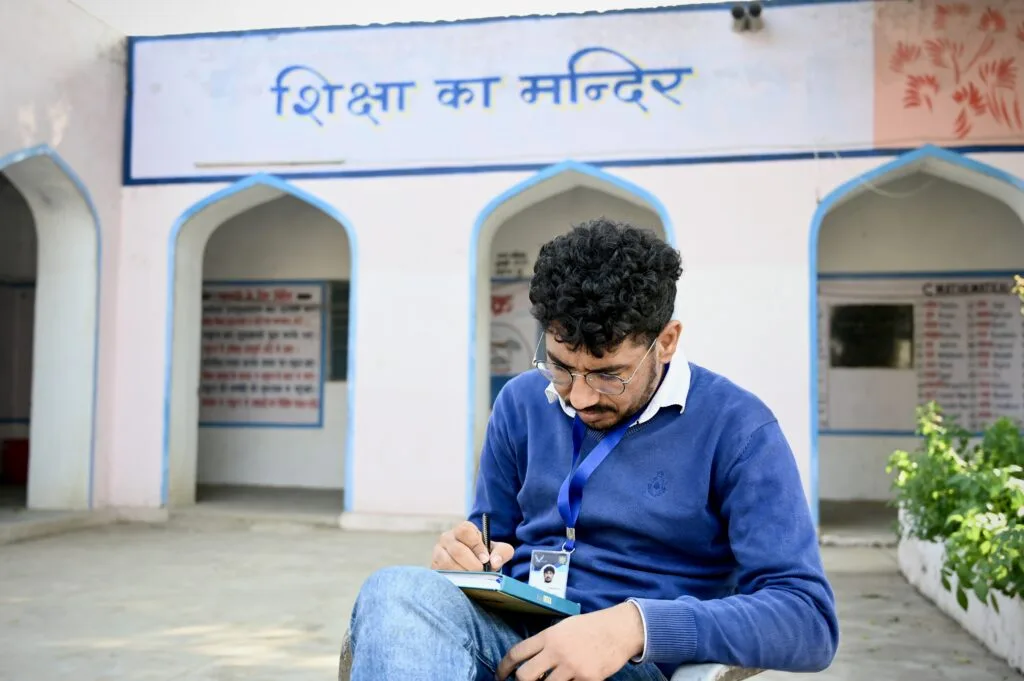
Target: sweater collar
(672, 393)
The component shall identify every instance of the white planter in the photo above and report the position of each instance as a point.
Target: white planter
(1002, 632)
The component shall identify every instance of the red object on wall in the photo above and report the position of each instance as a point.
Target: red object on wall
(14, 462)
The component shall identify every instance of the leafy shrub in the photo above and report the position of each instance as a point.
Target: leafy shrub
(971, 499)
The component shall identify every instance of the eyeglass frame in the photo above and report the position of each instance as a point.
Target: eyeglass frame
(572, 375)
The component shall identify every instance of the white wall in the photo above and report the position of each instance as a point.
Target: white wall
(413, 298)
(285, 238)
(64, 86)
(188, 16)
(531, 228)
(919, 223)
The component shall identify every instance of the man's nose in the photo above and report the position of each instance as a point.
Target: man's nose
(581, 395)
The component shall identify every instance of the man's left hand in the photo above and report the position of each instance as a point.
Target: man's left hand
(589, 647)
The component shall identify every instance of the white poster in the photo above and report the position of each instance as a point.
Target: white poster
(262, 355)
(968, 341)
(514, 331)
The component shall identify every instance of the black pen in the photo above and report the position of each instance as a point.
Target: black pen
(485, 523)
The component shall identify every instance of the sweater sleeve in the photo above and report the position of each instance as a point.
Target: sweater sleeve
(782, 614)
(497, 482)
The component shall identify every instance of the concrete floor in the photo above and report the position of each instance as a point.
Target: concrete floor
(316, 506)
(843, 523)
(860, 523)
(200, 599)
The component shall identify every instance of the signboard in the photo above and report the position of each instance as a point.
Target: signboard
(968, 343)
(514, 331)
(500, 93)
(262, 355)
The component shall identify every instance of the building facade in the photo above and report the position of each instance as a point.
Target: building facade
(298, 258)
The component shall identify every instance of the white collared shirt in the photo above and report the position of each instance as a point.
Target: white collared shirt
(671, 393)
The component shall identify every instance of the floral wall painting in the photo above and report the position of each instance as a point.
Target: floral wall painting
(949, 73)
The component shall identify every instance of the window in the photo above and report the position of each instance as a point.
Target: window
(872, 336)
(337, 330)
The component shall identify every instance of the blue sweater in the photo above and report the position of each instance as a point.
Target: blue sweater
(699, 515)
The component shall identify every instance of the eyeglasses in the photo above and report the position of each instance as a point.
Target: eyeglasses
(606, 384)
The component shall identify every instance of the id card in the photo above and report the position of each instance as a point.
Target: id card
(549, 571)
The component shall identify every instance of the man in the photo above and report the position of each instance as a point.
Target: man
(671, 491)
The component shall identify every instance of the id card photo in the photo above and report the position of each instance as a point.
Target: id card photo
(549, 571)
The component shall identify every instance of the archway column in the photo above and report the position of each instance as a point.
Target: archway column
(65, 335)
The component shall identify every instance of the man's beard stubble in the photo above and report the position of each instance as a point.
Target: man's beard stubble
(653, 380)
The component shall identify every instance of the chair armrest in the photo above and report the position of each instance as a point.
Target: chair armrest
(345, 659)
(712, 672)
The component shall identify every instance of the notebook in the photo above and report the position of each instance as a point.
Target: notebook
(495, 590)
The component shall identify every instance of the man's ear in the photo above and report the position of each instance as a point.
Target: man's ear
(668, 341)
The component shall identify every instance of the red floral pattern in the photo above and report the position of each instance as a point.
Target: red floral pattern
(959, 64)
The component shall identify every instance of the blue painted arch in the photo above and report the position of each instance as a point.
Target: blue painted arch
(286, 189)
(920, 159)
(589, 176)
(47, 152)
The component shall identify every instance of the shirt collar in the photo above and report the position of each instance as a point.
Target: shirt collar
(672, 392)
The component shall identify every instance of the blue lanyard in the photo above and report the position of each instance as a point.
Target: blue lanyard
(570, 495)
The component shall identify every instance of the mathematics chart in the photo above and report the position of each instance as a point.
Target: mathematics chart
(968, 342)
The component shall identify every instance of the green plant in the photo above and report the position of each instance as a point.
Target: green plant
(986, 553)
(972, 500)
(922, 477)
(1002, 445)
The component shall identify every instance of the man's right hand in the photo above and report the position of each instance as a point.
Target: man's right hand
(462, 548)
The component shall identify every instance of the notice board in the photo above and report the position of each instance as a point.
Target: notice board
(968, 345)
(262, 354)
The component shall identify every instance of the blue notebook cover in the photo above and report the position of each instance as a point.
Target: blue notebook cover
(501, 591)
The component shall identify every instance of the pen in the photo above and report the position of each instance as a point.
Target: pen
(485, 523)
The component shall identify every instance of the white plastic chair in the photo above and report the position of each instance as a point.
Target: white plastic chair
(689, 672)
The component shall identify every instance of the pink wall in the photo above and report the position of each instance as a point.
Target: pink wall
(949, 73)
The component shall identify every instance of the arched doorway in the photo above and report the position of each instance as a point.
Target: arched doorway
(49, 283)
(259, 380)
(506, 239)
(913, 264)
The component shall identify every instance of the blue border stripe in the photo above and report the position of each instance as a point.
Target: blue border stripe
(839, 432)
(249, 182)
(540, 166)
(566, 168)
(916, 159)
(961, 274)
(44, 150)
(129, 111)
(267, 283)
(770, 5)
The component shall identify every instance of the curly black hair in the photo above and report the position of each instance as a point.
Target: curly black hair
(605, 282)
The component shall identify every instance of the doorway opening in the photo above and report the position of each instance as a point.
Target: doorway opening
(260, 381)
(913, 263)
(507, 239)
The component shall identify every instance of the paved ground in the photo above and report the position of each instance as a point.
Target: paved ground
(199, 602)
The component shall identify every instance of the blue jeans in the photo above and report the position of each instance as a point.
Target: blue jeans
(410, 623)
